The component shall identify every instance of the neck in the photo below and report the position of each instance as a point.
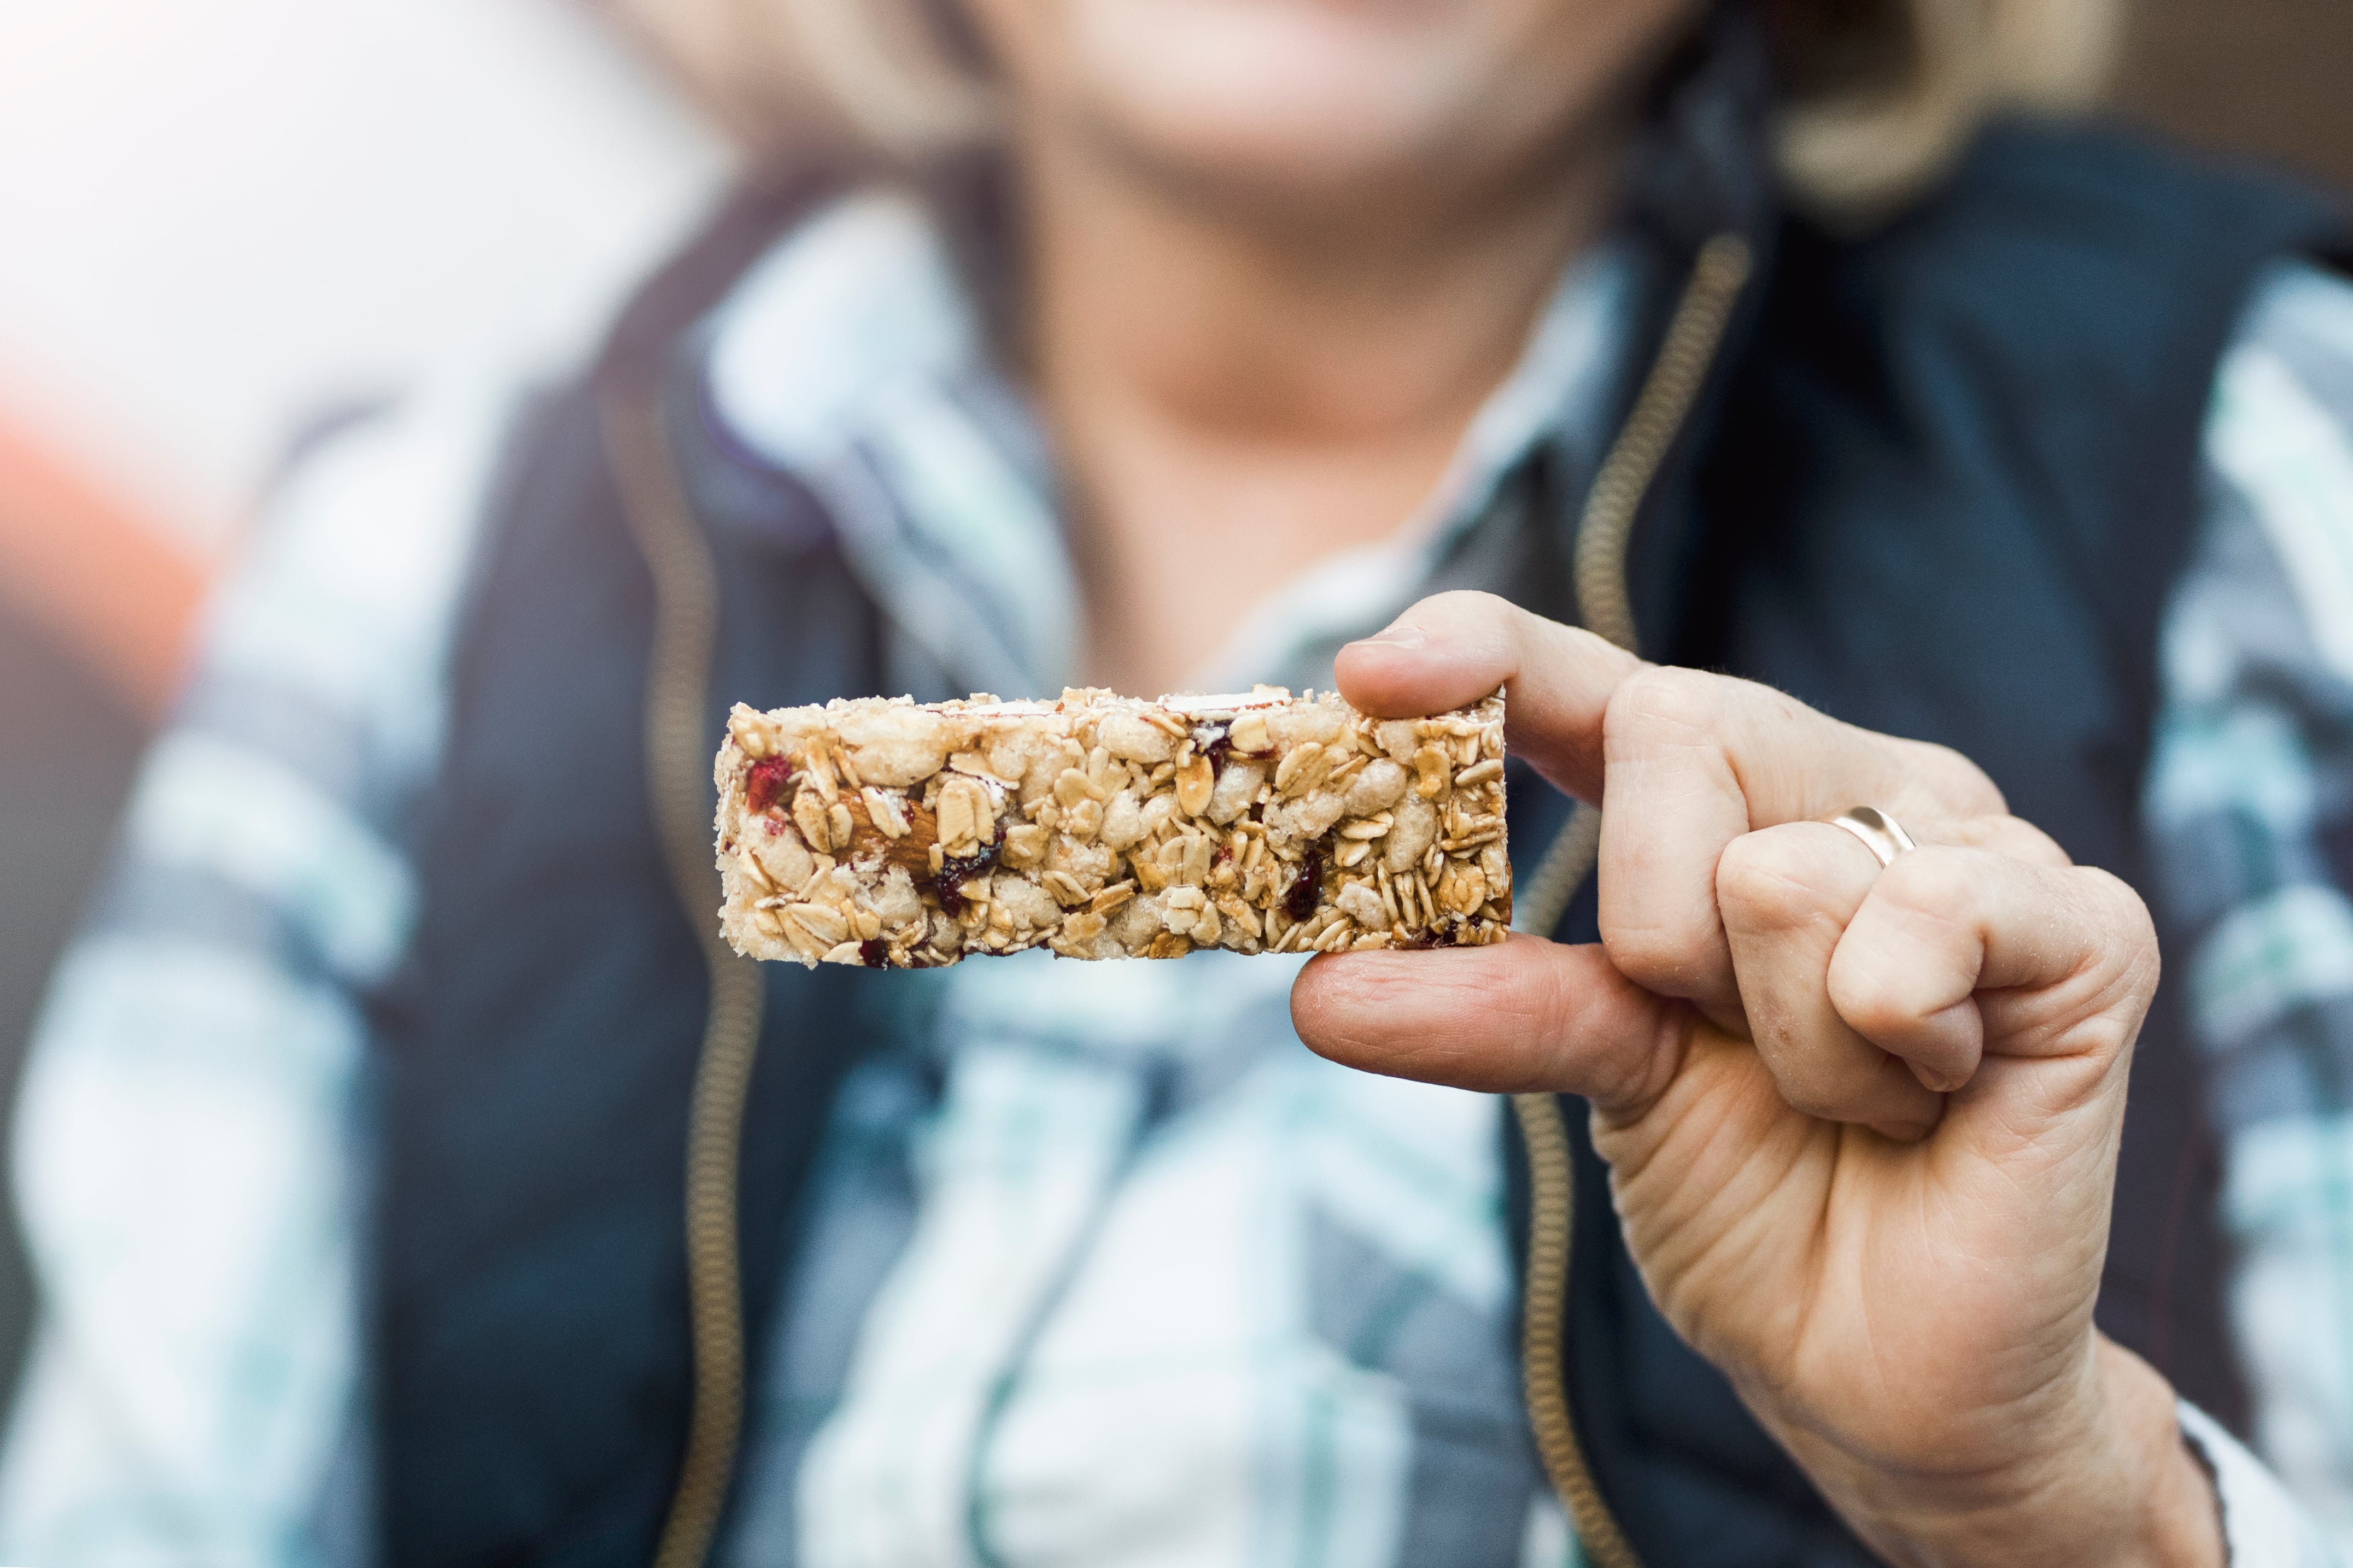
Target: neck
(1227, 384)
(1250, 325)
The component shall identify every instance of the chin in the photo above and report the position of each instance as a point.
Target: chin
(1291, 99)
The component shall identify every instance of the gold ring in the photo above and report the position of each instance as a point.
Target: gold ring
(1881, 834)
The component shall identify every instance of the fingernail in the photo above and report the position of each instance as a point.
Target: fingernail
(1404, 634)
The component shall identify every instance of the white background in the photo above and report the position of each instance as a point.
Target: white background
(216, 215)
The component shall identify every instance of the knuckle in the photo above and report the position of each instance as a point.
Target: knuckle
(1662, 699)
(1938, 884)
(2016, 837)
(2122, 906)
(2130, 944)
(1764, 881)
(1955, 780)
(1877, 1000)
(1884, 991)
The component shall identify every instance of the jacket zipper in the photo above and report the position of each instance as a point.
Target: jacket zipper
(685, 628)
(1605, 604)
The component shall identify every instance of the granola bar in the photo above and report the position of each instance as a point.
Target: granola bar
(896, 836)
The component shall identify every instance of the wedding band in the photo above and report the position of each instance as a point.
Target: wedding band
(1881, 834)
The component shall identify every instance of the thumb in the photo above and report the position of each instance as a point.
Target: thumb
(1519, 1016)
(1451, 650)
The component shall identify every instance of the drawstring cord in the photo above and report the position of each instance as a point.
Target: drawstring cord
(1605, 603)
(677, 773)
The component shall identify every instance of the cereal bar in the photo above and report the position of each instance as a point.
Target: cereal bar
(904, 836)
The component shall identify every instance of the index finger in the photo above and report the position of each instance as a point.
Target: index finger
(1451, 650)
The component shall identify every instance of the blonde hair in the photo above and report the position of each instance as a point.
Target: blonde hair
(1880, 94)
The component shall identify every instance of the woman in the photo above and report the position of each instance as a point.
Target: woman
(1183, 342)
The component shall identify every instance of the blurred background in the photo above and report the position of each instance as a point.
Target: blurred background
(220, 224)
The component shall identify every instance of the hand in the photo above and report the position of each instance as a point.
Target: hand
(1861, 1124)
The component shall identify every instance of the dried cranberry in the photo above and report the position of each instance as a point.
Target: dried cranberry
(873, 955)
(766, 784)
(956, 872)
(1214, 742)
(1299, 899)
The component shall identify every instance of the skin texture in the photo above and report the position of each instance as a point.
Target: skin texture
(1280, 251)
(1861, 1124)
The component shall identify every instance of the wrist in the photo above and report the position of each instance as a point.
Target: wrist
(2112, 1484)
(2174, 1520)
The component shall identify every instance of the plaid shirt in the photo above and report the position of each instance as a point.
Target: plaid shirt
(2250, 808)
(187, 1142)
